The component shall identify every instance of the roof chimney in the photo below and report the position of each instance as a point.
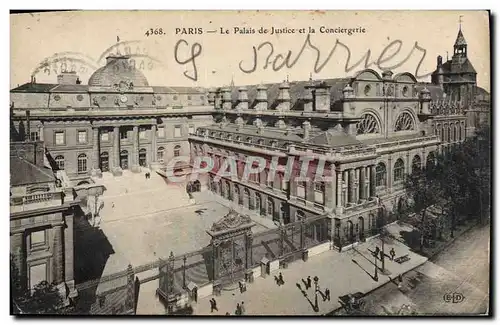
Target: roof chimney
(242, 98)
(261, 98)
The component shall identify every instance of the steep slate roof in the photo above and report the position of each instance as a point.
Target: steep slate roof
(271, 133)
(33, 88)
(70, 88)
(23, 172)
(297, 92)
(460, 39)
(436, 91)
(458, 68)
(177, 90)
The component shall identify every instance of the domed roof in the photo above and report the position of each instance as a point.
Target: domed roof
(118, 70)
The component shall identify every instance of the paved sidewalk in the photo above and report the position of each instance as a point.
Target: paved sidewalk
(335, 270)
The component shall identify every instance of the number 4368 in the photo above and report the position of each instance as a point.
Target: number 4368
(154, 31)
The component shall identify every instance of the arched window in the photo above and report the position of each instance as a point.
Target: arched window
(249, 140)
(299, 215)
(380, 175)
(368, 124)
(238, 138)
(82, 163)
(416, 163)
(404, 122)
(431, 159)
(60, 162)
(177, 151)
(160, 154)
(399, 170)
(260, 142)
(301, 189)
(274, 143)
(258, 201)
(319, 192)
(270, 207)
(449, 133)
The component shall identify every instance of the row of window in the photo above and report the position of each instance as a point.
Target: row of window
(369, 123)
(82, 135)
(450, 133)
(399, 169)
(82, 158)
(229, 137)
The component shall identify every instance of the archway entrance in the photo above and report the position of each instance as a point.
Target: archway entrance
(104, 162)
(361, 223)
(124, 159)
(142, 157)
(231, 236)
(350, 232)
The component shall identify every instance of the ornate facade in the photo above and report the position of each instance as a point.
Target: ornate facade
(116, 122)
(363, 133)
(41, 221)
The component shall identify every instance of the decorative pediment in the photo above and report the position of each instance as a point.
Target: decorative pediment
(232, 220)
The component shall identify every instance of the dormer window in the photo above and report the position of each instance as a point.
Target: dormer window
(367, 90)
(405, 91)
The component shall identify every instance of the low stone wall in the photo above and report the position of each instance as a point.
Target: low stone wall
(321, 248)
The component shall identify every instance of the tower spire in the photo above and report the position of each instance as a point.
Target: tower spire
(460, 22)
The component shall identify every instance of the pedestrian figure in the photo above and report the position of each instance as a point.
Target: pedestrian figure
(393, 253)
(377, 251)
(214, 305)
(242, 308)
(327, 294)
(238, 310)
(280, 279)
(113, 205)
(228, 314)
(308, 282)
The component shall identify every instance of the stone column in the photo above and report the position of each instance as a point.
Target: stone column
(351, 188)
(58, 254)
(362, 194)
(135, 150)
(339, 192)
(333, 184)
(69, 254)
(95, 152)
(40, 132)
(249, 259)
(117, 171)
(373, 183)
(17, 249)
(154, 147)
(389, 174)
(153, 143)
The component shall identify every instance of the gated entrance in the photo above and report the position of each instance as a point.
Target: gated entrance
(232, 253)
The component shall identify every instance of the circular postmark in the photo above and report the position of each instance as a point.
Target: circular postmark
(85, 65)
(137, 52)
(72, 62)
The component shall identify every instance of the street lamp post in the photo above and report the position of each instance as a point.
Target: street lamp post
(316, 307)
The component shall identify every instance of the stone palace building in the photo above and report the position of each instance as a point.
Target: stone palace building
(370, 129)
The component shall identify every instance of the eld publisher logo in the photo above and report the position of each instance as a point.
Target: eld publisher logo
(455, 297)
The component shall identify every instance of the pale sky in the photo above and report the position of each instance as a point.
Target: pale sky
(79, 39)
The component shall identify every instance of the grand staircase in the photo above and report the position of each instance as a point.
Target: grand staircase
(132, 195)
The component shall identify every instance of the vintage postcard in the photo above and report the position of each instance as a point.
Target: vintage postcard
(243, 163)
